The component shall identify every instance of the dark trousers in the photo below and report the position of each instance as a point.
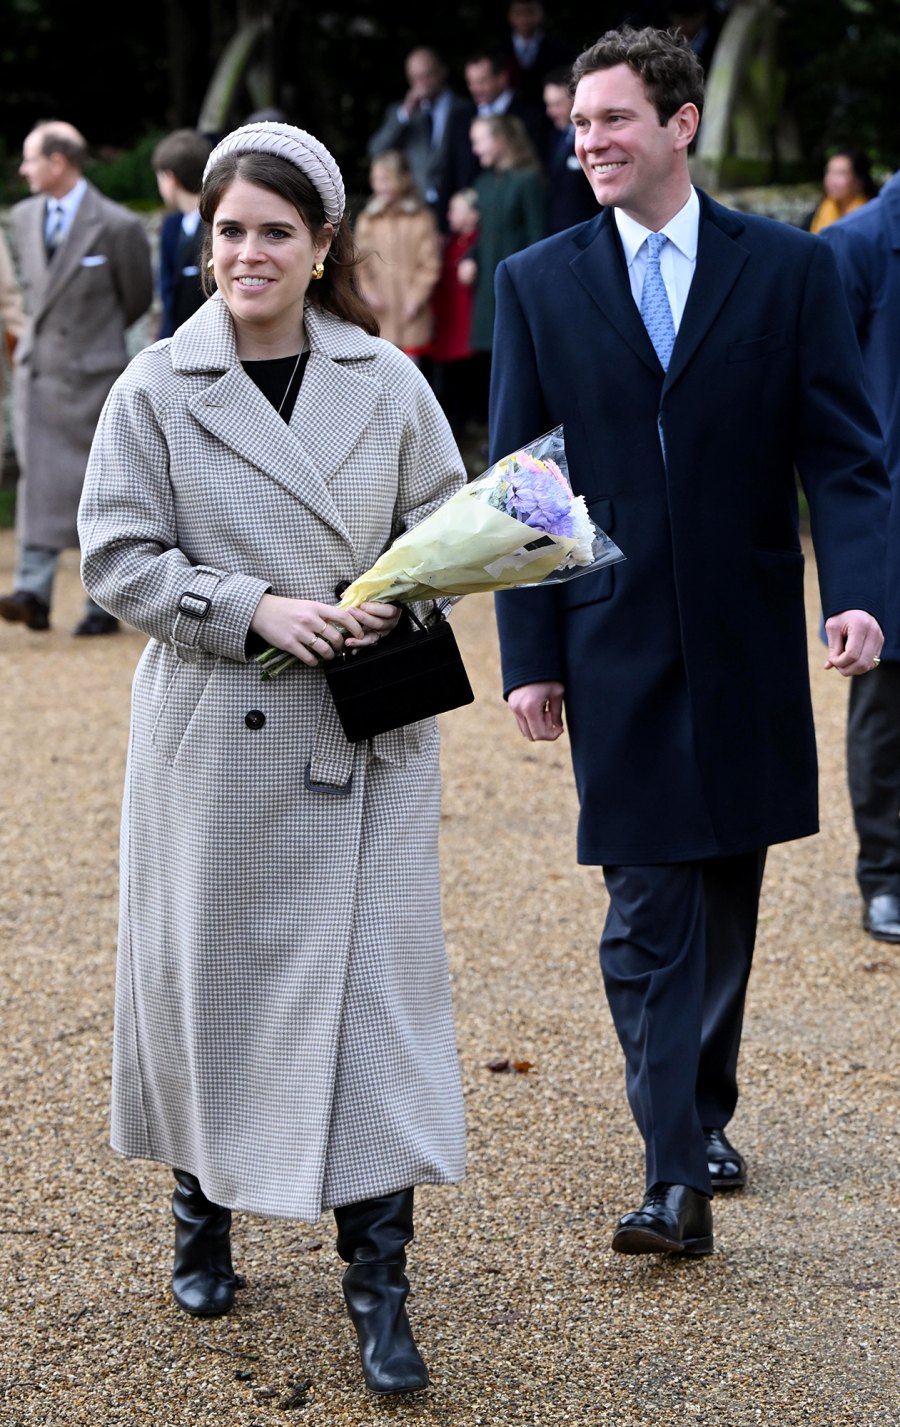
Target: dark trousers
(458, 387)
(675, 953)
(873, 776)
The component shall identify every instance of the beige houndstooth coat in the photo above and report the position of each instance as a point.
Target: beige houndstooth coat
(283, 1016)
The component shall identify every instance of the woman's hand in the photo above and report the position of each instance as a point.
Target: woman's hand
(377, 620)
(467, 271)
(310, 630)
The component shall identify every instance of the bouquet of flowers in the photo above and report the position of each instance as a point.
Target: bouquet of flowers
(519, 523)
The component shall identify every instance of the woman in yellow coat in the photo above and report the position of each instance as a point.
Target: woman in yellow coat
(847, 184)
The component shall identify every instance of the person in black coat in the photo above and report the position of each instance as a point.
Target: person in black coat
(684, 669)
(532, 49)
(489, 82)
(569, 197)
(178, 161)
(866, 245)
(418, 125)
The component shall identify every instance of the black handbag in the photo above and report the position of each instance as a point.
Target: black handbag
(414, 672)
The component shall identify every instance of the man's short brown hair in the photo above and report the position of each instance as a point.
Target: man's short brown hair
(184, 153)
(664, 61)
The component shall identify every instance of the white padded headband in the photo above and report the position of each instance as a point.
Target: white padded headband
(295, 145)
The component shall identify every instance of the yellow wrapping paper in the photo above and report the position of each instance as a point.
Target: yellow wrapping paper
(464, 547)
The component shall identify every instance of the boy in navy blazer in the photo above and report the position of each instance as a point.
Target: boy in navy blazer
(683, 670)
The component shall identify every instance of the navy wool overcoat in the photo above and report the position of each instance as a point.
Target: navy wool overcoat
(686, 666)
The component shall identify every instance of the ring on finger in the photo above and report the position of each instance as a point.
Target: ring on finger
(875, 661)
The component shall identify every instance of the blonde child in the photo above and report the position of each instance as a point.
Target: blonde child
(398, 238)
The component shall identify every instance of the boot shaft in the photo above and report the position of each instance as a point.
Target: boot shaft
(375, 1230)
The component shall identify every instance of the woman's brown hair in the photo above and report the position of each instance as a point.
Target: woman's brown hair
(337, 292)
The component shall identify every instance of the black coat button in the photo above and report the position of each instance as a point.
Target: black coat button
(255, 718)
(340, 587)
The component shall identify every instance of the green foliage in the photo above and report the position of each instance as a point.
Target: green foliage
(127, 176)
(843, 59)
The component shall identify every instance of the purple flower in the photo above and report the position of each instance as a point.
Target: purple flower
(537, 499)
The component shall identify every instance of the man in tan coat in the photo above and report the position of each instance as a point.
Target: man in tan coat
(86, 274)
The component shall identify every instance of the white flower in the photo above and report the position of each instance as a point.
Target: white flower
(584, 533)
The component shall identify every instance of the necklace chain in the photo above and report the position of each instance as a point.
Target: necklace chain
(290, 380)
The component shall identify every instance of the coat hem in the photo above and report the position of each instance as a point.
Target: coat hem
(305, 1216)
(596, 856)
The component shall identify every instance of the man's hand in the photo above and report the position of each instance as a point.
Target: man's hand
(538, 711)
(854, 642)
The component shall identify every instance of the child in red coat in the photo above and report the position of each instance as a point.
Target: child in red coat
(454, 377)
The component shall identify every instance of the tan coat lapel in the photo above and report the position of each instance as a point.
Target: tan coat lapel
(81, 241)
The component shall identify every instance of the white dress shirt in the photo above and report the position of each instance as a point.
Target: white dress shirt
(677, 259)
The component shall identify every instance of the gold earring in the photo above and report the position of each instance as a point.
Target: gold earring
(209, 266)
(318, 271)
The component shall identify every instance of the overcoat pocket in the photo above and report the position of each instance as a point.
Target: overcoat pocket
(182, 697)
(757, 347)
(591, 589)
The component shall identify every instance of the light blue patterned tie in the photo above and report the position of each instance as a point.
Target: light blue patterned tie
(655, 309)
(54, 230)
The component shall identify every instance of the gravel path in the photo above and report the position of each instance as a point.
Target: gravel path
(525, 1316)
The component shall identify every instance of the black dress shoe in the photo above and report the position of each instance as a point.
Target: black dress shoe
(881, 918)
(22, 607)
(727, 1168)
(97, 623)
(673, 1219)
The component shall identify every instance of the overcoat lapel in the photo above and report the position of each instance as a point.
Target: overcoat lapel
(301, 456)
(720, 260)
(81, 240)
(600, 269)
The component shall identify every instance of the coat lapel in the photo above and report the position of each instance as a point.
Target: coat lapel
(81, 241)
(302, 456)
(720, 260)
(600, 269)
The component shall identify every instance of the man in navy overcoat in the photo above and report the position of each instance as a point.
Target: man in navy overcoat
(866, 245)
(684, 669)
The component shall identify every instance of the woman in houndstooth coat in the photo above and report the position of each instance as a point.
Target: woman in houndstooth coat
(284, 1035)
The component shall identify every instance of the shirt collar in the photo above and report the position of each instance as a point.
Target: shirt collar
(498, 105)
(526, 48)
(70, 201)
(683, 230)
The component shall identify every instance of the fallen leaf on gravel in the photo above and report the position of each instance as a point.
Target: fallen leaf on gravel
(514, 1067)
(297, 1397)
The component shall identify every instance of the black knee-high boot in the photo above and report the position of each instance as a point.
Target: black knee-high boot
(203, 1279)
(372, 1237)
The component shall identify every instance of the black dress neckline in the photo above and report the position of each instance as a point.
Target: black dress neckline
(279, 379)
